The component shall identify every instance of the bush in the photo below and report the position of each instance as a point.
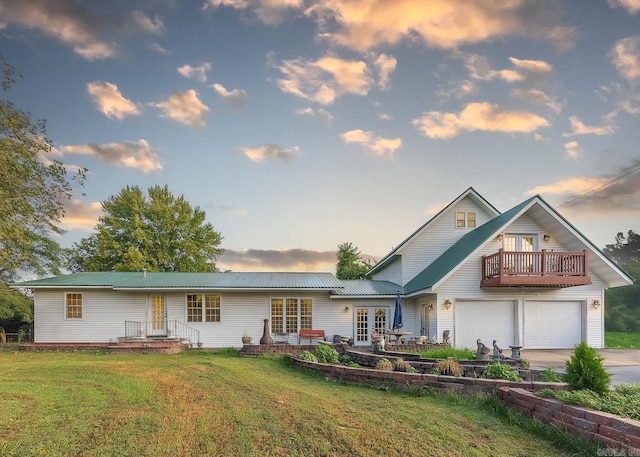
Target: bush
(345, 359)
(327, 354)
(384, 364)
(449, 367)
(500, 370)
(401, 365)
(584, 370)
(308, 356)
(549, 375)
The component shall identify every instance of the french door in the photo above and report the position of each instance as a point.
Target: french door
(370, 319)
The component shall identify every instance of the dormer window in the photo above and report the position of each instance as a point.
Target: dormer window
(465, 220)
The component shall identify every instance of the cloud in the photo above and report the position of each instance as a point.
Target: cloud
(199, 72)
(572, 149)
(133, 154)
(578, 128)
(269, 151)
(370, 141)
(81, 215)
(531, 70)
(458, 89)
(365, 24)
(236, 98)
(271, 12)
(632, 6)
(538, 97)
(625, 55)
(384, 117)
(277, 260)
(185, 108)
(478, 116)
(319, 113)
(92, 32)
(612, 193)
(323, 80)
(385, 65)
(110, 101)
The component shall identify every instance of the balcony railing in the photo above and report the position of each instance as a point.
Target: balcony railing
(535, 269)
(166, 329)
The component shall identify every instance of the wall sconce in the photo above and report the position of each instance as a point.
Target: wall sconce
(448, 303)
(499, 237)
(430, 308)
(346, 309)
(546, 237)
(596, 304)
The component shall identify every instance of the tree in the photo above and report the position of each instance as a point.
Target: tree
(350, 264)
(622, 313)
(624, 251)
(157, 232)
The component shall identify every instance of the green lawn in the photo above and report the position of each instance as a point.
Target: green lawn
(621, 340)
(204, 403)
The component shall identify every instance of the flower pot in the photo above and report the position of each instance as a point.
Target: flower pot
(246, 340)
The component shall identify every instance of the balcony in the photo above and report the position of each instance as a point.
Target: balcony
(549, 269)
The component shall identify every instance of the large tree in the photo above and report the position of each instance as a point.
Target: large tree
(350, 264)
(33, 189)
(622, 313)
(156, 232)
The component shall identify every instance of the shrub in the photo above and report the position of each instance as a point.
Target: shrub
(500, 370)
(353, 365)
(345, 359)
(327, 354)
(401, 365)
(584, 370)
(449, 367)
(549, 375)
(384, 364)
(308, 356)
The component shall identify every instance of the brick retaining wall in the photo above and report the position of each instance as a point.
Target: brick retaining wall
(613, 432)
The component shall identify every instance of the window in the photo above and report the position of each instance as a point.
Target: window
(291, 314)
(203, 308)
(73, 305)
(465, 219)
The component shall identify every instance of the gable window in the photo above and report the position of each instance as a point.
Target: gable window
(203, 308)
(467, 219)
(289, 315)
(73, 305)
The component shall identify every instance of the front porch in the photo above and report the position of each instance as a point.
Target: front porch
(550, 269)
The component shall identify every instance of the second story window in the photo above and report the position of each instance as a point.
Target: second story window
(467, 219)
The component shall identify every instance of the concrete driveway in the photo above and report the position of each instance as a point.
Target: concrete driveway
(622, 364)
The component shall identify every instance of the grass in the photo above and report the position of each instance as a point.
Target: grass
(443, 353)
(622, 340)
(204, 403)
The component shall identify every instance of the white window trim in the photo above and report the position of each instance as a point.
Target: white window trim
(65, 309)
(284, 312)
(204, 309)
(466, 219)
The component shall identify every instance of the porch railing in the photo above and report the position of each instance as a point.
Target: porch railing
(168, 329)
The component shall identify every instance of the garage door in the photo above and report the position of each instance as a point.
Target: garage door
(552, 325)
(487, 320)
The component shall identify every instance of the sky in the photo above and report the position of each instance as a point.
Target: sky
(298, 125)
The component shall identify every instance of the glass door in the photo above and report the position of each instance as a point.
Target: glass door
(158, 316)
(370, 320)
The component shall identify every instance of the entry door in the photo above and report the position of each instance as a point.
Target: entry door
(520, 243)
(368, 321)
(158, 316)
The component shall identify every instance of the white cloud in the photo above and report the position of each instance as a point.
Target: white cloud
(632, 6)
(133, 154)
(385, 65)
(579, 128)
(269, 151)
(93, 33)
(538, 97)
(626, 57)
(384, 117)
(271, 12)
(535, 66)
(370, 141)
(236, 97)
(478, 116)
(110, 101)
(323, 80)
(458, 89)
(571, 185)
(319, 113)
(185, 108)
(81, 215)
(480, 68)
(199, 72)
(573, 149)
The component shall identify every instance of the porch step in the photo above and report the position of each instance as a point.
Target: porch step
(156, 345)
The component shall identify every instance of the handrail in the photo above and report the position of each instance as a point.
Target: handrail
(542, 263)
(169, 328)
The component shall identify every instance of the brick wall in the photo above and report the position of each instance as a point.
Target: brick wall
(611, 431)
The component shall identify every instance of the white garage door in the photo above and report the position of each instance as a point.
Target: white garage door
(486, 320)
(552, 325)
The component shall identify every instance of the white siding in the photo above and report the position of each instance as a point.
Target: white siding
(392, 272)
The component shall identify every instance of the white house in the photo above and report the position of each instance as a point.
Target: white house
(524, 277)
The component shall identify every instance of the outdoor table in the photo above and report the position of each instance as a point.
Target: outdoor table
(398, 335)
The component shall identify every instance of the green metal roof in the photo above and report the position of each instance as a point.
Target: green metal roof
(139, 280)
(462, 249)
(365, 287)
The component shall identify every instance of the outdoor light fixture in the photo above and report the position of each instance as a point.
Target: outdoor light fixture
(430, 307)
(346, 309)
(448, 303)
(596, 304)
(499, 237)
(546, 237)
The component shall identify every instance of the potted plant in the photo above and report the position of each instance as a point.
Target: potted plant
(246, 339)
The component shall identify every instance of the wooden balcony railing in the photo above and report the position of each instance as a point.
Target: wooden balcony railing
(535, 269)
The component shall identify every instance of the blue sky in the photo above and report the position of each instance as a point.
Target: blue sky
(298, 125)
